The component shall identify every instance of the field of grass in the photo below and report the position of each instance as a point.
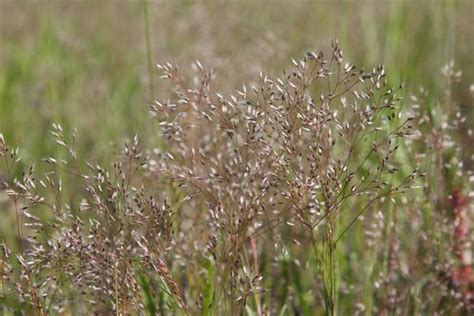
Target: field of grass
(282, 182)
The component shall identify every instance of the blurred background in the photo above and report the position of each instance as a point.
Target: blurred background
(86, 64)
(91, 65)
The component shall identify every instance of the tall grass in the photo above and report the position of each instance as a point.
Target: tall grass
(315, 188)
(210, 221)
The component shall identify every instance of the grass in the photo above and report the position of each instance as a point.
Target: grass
(254, 214)
(92, 68)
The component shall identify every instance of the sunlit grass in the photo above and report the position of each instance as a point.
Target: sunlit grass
(90, 67)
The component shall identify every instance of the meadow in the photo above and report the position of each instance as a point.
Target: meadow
(236, 158)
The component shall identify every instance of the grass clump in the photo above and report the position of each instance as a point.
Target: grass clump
(287, 196)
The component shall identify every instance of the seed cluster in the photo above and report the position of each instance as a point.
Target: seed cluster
(243, 189)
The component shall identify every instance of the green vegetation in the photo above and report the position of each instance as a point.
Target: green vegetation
(281, 182)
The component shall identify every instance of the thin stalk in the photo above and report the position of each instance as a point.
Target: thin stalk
(253, 243)
(18, 223)
(325, 257)
(148, 50)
